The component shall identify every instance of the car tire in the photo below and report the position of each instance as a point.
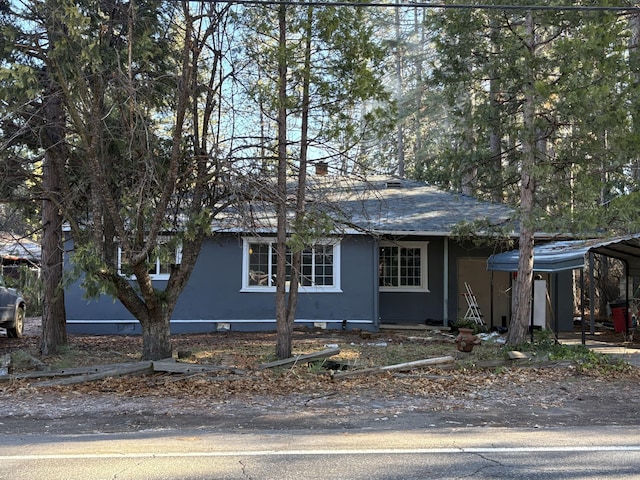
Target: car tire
(16, 330)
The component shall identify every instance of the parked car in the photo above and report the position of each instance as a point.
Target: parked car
(12, 310)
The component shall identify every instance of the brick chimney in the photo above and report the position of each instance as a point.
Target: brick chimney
(322, 168)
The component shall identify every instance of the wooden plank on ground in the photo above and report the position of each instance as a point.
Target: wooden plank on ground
(65, 372)
(133, 368)
(171, 366)
(329, 352)
(416, 327)
(398, 367)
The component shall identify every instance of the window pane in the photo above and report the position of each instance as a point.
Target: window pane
(316, 265)
(388, 276)
(259, 264)
(166, 256)
(400, 266)
(165, 268)
(153, 261)
(159, 261)
(306, 279)
(323, 271)
(410, 267)
(289, 265)
(274, 264)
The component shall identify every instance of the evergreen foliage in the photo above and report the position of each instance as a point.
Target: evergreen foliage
(584, 77)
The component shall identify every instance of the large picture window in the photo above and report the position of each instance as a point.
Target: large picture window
(402, 266)
(320, 269)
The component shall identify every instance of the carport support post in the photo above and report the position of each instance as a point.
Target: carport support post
(556, 304)
(626, 298)
(533, 297)
(491, 299)
(592, 306)
(445, 290)
(584, 336)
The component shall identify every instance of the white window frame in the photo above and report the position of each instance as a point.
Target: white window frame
(335, 288)
(157, 275)
(424, 270)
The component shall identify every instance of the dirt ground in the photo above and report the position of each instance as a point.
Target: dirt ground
(307, 397)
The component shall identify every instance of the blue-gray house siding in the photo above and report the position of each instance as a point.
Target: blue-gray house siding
(213, 299)
(418, 307)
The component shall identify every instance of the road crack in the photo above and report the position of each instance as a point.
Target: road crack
(245, 474)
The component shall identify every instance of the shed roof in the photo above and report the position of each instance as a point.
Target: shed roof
(14, 248)
(571, 255)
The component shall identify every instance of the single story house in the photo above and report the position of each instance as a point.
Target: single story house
(394, 261)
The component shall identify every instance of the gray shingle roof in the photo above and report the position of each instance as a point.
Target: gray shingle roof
(404, 206)
(379, 205)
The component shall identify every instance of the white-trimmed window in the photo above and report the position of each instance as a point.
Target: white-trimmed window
(320, 269)
(165, 255)
(403, 266)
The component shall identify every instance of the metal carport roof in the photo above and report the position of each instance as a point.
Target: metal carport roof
(570, 255)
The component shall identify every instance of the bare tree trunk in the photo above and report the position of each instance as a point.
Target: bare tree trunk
(495, 135)
(469, 177)
(54, 333)
(399, 93)
(152, 309)
(284, 328)
(634, 64)
(418, 25)
(296, 266)
(521, 319)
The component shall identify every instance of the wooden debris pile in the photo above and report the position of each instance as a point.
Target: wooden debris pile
(428, 362)
(77, 375)
(71, 376)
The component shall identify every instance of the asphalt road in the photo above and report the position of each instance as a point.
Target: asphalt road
(451, 453)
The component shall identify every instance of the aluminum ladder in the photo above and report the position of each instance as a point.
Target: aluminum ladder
(473, 310)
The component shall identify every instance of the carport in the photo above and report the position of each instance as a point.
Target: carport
(555, 257)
